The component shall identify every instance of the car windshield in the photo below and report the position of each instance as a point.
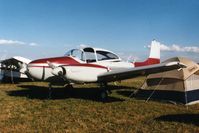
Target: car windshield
(104, 55)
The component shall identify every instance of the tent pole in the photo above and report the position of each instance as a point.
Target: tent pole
(185, 93)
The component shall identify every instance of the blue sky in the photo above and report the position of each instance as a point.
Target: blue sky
(41, 28)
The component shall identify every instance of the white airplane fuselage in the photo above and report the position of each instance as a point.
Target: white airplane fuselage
(76, 71)
(83, 66)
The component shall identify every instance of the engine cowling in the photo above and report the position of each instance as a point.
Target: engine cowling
(59, 71)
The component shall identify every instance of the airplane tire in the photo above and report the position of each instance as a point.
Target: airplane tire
(103, 95)
(69, 86)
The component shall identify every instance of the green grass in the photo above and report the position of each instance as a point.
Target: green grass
(26, 107)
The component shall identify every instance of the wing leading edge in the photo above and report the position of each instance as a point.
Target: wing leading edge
(123, 74)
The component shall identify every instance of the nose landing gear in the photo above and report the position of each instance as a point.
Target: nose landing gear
(68, 85)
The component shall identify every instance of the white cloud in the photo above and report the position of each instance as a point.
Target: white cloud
(33, 44)
(16, 43)
(128, 56)
(11, 42)
(178, 48)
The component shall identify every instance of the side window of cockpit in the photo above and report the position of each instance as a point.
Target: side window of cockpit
(100, 56)
(104, 55)
(90, 55)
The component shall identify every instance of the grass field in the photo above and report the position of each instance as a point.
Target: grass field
(26, 107)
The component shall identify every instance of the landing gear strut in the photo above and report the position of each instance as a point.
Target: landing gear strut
(49, 90)
(104, 91)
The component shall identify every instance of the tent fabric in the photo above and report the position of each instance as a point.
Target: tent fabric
(177, 85)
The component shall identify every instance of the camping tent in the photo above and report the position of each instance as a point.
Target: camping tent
(180, 85)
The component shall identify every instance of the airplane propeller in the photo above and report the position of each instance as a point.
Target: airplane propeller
(24, 70)
(23, 67)
(57, 70)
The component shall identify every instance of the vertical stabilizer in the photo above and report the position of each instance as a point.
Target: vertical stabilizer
(154, 56)
(155, 50)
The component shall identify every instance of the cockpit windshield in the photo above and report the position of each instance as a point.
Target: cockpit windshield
(104, 55)
(77, 53)
(90, 55)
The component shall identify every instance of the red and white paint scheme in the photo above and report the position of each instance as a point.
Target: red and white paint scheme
(85, 65)
(88, 65)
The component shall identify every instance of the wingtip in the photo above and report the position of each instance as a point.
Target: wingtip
(176, 63)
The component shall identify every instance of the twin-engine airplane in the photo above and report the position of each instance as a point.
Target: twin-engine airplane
(94, 65)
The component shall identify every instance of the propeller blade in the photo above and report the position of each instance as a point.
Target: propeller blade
(51, 65)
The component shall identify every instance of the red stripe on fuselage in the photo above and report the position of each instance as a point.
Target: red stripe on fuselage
(149, 61)
(75, 65)
(64, 61)
(88, 65)
(58, 60)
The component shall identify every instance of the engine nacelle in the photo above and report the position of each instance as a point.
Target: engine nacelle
(59, 71)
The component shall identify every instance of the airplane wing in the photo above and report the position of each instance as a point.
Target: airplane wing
(15, 60)
(122, 74)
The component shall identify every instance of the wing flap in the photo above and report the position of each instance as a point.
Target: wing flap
(139, 71)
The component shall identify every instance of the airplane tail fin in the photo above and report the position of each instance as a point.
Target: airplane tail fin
(154, 56)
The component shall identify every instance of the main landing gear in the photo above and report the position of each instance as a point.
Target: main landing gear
(104, 91)
(68, 85)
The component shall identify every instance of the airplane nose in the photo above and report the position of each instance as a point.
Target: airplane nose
(36, 72)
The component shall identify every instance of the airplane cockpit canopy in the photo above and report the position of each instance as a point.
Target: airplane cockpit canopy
(77, 53)
(90, 54)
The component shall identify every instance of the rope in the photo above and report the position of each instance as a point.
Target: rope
(135, 91)
(155, 89)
